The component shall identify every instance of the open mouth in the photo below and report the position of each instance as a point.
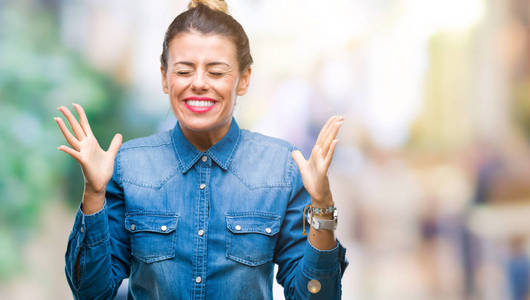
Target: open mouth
(199, 105)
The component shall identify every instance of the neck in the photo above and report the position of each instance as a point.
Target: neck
(203, 140)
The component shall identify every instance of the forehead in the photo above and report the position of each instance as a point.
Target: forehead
(197, 47)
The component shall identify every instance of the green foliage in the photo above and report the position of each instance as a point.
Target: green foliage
(38, 74)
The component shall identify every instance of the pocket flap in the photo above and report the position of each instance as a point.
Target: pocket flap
(253, 223)
(151, 223)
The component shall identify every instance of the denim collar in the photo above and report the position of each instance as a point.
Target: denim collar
(221, 152)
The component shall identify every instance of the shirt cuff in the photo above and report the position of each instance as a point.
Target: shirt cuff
(92, 229)
(323, 260)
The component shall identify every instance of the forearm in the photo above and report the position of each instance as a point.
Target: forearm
(317, 275)
(93, 201)
(89, 267)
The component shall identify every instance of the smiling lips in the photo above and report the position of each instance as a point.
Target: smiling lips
(199, 104)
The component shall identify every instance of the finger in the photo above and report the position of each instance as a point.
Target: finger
(299, 159)
(83, 119)
(331, 152)
(78, 131)
(316, 152)
(67, 135)
(323, 131)
(331, 135)
(76, 155)
(115, 144)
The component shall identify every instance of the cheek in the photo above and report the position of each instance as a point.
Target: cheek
(227, 87)
(177, 85)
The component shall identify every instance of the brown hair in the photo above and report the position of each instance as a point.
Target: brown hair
(209, 17)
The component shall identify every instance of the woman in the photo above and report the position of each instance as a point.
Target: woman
(204, 210)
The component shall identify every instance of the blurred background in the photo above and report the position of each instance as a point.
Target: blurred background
(432, 172)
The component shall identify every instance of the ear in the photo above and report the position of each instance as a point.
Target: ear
(244, 80)
(164, 80)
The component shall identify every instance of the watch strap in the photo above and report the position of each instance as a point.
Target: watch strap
(326, 224)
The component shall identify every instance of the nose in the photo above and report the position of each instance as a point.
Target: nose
(199, 81)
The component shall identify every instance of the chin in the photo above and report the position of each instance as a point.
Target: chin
(200, 124)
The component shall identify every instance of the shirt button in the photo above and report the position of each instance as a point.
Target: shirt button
(238, 227)
(200, 232)
(198, 279)
(133, 227)
(268, 230)
(314, 286)
(204, 158)
(202, 186)
(163, 228)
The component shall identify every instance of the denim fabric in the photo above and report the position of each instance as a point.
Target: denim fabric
(185, 224)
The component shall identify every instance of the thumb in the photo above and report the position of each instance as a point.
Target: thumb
(299, 159)
(115, 144)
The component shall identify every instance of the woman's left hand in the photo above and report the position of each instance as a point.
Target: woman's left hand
(314, 171)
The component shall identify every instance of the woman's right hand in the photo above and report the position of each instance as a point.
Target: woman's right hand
(96, 163)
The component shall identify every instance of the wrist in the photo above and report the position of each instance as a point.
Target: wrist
(93, 201)
(93, 191)
(322, 202)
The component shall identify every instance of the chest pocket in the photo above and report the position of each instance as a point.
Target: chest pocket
(153, 236)
(251, 237)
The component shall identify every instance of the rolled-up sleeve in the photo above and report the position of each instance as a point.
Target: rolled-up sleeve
(304, 271)
(100, 244)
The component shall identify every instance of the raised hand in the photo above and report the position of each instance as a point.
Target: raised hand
(314, 171)
(97, 164)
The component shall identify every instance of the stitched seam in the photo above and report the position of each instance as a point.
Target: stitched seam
(272, 216)
(217, 160)
(248, 262)
(171, 236)
(228, 161)
(118, 168)
(82, 265)
(163, 181)
(253, 187)
(324, 273)
(179, 161)
(133, 213)
(192, 161)
(145, 146)
(96, 243)
(290, 167)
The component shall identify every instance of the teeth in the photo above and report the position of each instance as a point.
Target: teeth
(200, 103)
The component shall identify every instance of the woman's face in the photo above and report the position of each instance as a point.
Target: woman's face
(203, 80)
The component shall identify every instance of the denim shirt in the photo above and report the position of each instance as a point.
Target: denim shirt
(185, 224)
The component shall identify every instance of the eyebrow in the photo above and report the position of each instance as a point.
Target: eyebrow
(188, 63)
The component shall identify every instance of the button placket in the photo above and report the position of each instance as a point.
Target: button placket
(200, 241)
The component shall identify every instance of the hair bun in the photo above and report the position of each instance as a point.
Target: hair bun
(219, 5)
